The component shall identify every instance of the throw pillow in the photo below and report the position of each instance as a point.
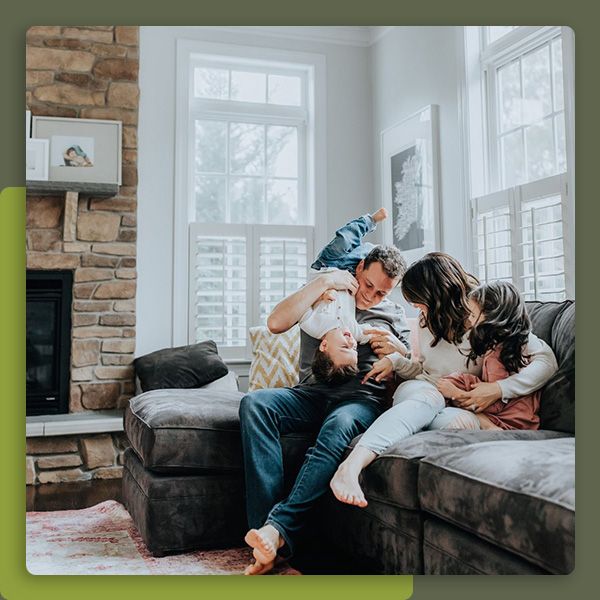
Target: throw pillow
(275, 358)
(182, 367)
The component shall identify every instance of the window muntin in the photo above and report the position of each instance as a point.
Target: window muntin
(529, 129)
(248, 85)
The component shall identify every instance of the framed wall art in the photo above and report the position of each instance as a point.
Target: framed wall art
(81, 150)
(410, 186)
(36, 160)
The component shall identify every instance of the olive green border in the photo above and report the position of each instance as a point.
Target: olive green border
(15, 582)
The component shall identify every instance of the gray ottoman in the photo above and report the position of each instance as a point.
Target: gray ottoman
(183, 479)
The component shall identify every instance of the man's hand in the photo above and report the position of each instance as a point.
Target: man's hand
(382, 369)
(481, 396)
(384, 342)
(327, 296)
(340, 280)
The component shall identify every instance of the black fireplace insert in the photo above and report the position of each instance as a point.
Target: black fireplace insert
(49, 297)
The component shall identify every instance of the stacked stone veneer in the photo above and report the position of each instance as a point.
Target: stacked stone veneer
(75, 458)
(88, 72)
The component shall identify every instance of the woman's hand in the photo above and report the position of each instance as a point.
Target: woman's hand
(481, 396)
(382, 369)
(384, 342)
(448, 389)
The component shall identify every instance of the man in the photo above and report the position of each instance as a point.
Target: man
(338, 413)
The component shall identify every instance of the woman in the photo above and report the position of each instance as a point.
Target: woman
(438, 287)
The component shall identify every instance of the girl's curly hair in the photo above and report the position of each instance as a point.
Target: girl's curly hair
(440, 283)
(506, 322)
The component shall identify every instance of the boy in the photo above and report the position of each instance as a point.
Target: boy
(332, 318)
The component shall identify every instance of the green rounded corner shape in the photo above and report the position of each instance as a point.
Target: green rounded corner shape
(16, 583)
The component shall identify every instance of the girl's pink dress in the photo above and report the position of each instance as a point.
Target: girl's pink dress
(517, 413)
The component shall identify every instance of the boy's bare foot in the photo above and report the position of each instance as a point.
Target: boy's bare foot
(346, 488)
(379, 215)
(257, 568)
(265, 543)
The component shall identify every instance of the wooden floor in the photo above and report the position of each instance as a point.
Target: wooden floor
(70, 496)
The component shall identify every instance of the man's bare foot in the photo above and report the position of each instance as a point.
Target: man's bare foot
(265, 543)
(379, 215)
(258, 568)
(346, 488)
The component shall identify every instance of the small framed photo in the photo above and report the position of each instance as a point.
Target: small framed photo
(27, 124)
(409, 183)
(36, 160)
(81, 150)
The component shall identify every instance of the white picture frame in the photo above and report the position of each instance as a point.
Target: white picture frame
(36, 160)
(27, 124)
(410, 184)
(81, 150)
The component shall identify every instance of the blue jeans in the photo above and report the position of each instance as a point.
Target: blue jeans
(267, 414)
(346, 249)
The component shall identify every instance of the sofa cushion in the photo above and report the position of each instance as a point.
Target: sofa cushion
(519, 495)
(449, 550)
(392, 478)
(543, 315)
(557, 405)
(183, 367)
(196, 429)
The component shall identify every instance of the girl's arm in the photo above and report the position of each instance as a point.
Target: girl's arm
(404, 367)
(535, 375)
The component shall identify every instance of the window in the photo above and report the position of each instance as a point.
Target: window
(238, 273)
(246, 137)
(523, 217)
(522, 235)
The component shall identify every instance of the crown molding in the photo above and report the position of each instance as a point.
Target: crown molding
(376, 33)
(347, 35)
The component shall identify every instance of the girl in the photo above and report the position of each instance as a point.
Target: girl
(439, 287)
(499, 334)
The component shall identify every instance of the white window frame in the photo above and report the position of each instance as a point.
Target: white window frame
(314, 140)
(504, 50)
(480, 149)
(514, 198)
(252, 235)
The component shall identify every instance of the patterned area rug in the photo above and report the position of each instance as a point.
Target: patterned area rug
(103, 540)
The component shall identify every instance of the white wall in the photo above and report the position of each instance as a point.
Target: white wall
(368, 90)
(349, 165)
(412, 67)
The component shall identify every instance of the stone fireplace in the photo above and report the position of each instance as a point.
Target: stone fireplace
(88, 72)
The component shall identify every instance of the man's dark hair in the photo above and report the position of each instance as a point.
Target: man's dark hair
(391, 260)
(327, 372)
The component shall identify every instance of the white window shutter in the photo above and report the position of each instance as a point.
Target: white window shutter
(219, 286)
(283, 255)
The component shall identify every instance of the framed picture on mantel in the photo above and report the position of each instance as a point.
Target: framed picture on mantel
(81, 150)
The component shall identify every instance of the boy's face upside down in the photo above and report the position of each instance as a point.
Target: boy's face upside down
(339, 344)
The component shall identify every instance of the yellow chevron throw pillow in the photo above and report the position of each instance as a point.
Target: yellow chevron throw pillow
(275, 358)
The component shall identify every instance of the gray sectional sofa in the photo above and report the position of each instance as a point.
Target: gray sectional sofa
(460, 502)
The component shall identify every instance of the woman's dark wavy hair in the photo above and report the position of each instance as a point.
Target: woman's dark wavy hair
(505, 322)
(440, 283)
